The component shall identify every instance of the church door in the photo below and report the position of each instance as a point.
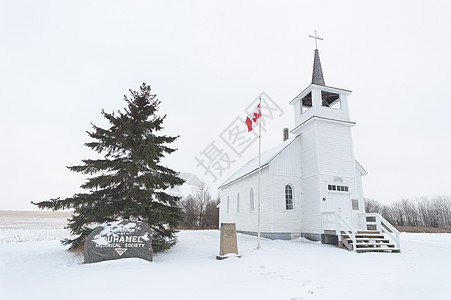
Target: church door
(341, 203)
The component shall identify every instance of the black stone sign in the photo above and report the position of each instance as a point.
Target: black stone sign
(119, 239)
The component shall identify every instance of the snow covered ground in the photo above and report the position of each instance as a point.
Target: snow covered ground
(34, 265)
(27, 226)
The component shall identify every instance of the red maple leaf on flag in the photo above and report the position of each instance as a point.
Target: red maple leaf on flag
(256, 114)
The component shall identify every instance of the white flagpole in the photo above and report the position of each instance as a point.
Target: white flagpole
(259, 165)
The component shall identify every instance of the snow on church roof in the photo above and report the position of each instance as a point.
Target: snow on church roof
(252, 165)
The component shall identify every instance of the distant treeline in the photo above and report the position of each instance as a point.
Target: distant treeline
(434, 212)
(200, 210)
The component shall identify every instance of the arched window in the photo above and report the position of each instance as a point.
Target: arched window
(251, 200)
(289, 197)
(238, 202)
(228, 204)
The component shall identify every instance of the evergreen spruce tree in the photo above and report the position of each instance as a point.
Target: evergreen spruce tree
(129, 181)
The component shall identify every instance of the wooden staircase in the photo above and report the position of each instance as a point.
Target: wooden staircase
(367, 241)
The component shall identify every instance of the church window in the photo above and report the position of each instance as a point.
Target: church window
(355, 204)
(228, 204)
(340, 188)
(238, 202)
(251, 199)
(289, 203)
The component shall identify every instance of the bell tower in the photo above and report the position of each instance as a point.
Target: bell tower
(330, 181)
(319, 100)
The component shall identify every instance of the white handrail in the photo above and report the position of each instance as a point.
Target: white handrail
(340, 224)
(392, 232)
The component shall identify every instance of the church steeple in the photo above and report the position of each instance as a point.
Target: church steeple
(318, 101)
(317, 75)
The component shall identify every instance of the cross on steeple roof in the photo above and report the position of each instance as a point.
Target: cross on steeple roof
(316, 37)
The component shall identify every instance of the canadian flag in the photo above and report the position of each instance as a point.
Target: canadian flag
(251, 121)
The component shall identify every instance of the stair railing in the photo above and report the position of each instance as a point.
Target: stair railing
(382, 225)
(334, 221)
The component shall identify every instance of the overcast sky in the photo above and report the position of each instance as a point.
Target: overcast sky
(62, 62)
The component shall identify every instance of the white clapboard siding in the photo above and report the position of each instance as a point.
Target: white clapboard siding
(245, 219)
(335, 149)
(311, 205)
(310, 179)
(286, 169)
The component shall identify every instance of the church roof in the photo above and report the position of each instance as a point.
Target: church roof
(362, 171)
(266, 159)
(317, 75)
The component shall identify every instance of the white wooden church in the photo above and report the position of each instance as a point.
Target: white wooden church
(311, 185)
